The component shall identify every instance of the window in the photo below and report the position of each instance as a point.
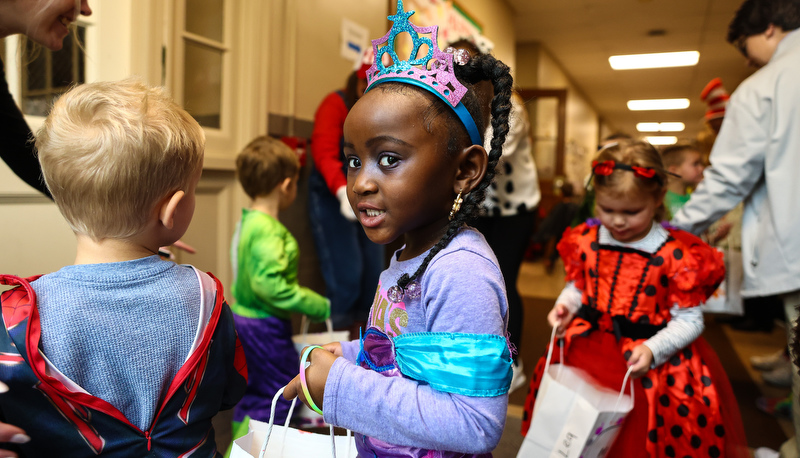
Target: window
(204, 52)
(51, 73)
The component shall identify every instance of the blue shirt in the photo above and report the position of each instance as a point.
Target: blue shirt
(120, 330)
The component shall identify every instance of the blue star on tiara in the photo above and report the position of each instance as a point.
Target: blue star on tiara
(432, 71)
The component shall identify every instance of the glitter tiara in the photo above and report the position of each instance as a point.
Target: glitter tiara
(432, 72)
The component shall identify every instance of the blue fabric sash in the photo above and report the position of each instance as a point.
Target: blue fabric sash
(477, 365)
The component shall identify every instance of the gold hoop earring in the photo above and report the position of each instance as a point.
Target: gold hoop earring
(456, 205)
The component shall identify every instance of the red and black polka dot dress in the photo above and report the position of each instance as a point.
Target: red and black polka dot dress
(627, 294)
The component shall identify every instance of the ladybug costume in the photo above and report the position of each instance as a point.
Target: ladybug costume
(682, 407)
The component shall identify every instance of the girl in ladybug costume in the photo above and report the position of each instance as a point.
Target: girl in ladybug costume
(631, 301)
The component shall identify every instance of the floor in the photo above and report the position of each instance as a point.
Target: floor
(734, 348)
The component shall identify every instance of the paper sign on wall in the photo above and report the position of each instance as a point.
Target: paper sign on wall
(354, 40)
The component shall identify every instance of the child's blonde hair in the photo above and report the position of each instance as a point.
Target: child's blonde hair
(674, 155)
(264, 164)
(112, 151)
(625, 183)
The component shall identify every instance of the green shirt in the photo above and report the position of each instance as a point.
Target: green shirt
(265, 256)
(675, 201)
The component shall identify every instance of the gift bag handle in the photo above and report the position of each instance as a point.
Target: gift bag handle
(286, 425)
(561, 351)
(550, 352)
(622, 390)
(304, 324)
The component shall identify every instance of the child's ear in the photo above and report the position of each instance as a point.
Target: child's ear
(166, 213)
(286, 184)
(472, 164)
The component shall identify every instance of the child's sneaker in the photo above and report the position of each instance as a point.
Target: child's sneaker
(763, 452)
(780, 376)
(770, 361)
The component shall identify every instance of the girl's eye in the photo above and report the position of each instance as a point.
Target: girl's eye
(353, 162)
(388, 161)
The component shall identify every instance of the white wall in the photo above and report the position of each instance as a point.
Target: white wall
(583, 122)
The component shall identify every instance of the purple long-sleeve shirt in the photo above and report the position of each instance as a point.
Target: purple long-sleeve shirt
(462, 291)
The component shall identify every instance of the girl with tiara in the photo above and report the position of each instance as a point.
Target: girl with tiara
(631, 303)
(430, 375)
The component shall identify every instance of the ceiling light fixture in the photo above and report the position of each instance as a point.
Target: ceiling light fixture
(655, 60)
(662, 140)
(658, 104)
(660, 127)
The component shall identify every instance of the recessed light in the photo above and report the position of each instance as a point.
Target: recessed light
(658, 104)
(654, 60)
(660, 127)
(662, 140)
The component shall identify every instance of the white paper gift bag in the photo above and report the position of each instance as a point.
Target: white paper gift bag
(305, 417)
(727, 298)
(305, 338)
(574, 417)
(265, 440)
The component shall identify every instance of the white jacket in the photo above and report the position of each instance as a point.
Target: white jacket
(756, 158)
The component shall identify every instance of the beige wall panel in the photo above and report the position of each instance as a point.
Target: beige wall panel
(36, 239)
(497, 21)
(212, 226)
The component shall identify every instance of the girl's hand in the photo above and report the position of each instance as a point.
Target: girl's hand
(334, 347)
(559, 317)
(640, 360)
(316, 376)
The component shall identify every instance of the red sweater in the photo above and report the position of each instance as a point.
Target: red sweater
(326, 140)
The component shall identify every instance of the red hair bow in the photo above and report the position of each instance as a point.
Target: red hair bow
(643, 172)
(603, 168)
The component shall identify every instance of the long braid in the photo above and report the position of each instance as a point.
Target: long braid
(480, 68)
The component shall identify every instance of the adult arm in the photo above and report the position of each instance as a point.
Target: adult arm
(16, 141)
(737, 162)
(326, 141)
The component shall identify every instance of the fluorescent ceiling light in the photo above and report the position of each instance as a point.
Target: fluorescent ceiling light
(658, 104)
(662, 140)
(647, 127)
(656, 60)
(660, 127)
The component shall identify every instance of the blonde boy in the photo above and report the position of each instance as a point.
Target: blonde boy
(687, 164)
(137, 353)
(265, 256)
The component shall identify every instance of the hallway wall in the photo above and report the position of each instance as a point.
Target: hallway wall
(541, 70)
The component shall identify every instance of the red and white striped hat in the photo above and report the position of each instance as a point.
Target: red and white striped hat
(716, 97)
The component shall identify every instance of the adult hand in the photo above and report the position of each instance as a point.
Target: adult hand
(344, 204)
(9, 433)
(723, 229)
(640, 360)
(559, 317)
(316, 376)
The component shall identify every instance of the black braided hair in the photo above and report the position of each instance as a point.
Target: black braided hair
(480, 68)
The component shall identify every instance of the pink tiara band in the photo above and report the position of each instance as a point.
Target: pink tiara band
(432, 71)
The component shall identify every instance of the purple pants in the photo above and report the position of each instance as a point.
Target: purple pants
(272, 362)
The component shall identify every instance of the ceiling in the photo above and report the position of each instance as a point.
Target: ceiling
(582, 34)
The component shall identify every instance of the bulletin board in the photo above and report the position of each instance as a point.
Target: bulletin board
(453, 20)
